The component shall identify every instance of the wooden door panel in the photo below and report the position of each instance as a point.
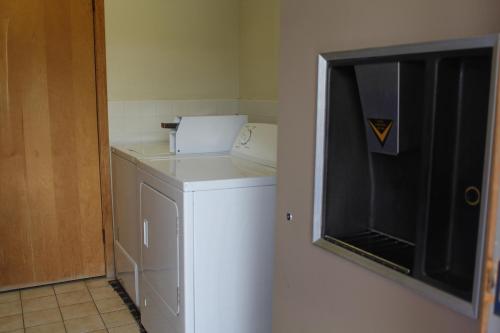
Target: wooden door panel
(50, 180)
(15, 237)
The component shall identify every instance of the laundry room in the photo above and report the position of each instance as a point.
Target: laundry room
(166, 111)
(249, 166)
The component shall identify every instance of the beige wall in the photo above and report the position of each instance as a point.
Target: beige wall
(316, 291)
(192, 49)
(176, 49)
(258, 49)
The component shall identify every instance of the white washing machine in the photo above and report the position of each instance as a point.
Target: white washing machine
(208, 238)
(196, 135)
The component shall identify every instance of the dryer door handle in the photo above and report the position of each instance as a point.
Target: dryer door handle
(145, 233)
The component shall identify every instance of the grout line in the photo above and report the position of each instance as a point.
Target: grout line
(71, 290)
(59, 308)
(98, 312)
(93, 302)
(22, 310)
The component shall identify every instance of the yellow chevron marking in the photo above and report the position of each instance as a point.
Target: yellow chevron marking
(381, 129)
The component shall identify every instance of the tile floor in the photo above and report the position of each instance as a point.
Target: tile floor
(73, 307)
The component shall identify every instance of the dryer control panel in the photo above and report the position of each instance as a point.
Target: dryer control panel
(257, 142)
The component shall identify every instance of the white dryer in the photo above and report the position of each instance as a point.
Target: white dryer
(196, 135)
(125, 209)
(208, 238)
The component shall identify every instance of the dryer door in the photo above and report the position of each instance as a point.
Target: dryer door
(160, 246)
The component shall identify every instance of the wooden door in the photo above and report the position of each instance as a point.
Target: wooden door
(50, 198)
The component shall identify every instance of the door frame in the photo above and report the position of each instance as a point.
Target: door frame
(103, 135)
(489, 265)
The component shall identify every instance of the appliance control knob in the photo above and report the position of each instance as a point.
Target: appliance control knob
(245, 136)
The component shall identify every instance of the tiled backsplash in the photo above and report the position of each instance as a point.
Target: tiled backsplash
(139, 121)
